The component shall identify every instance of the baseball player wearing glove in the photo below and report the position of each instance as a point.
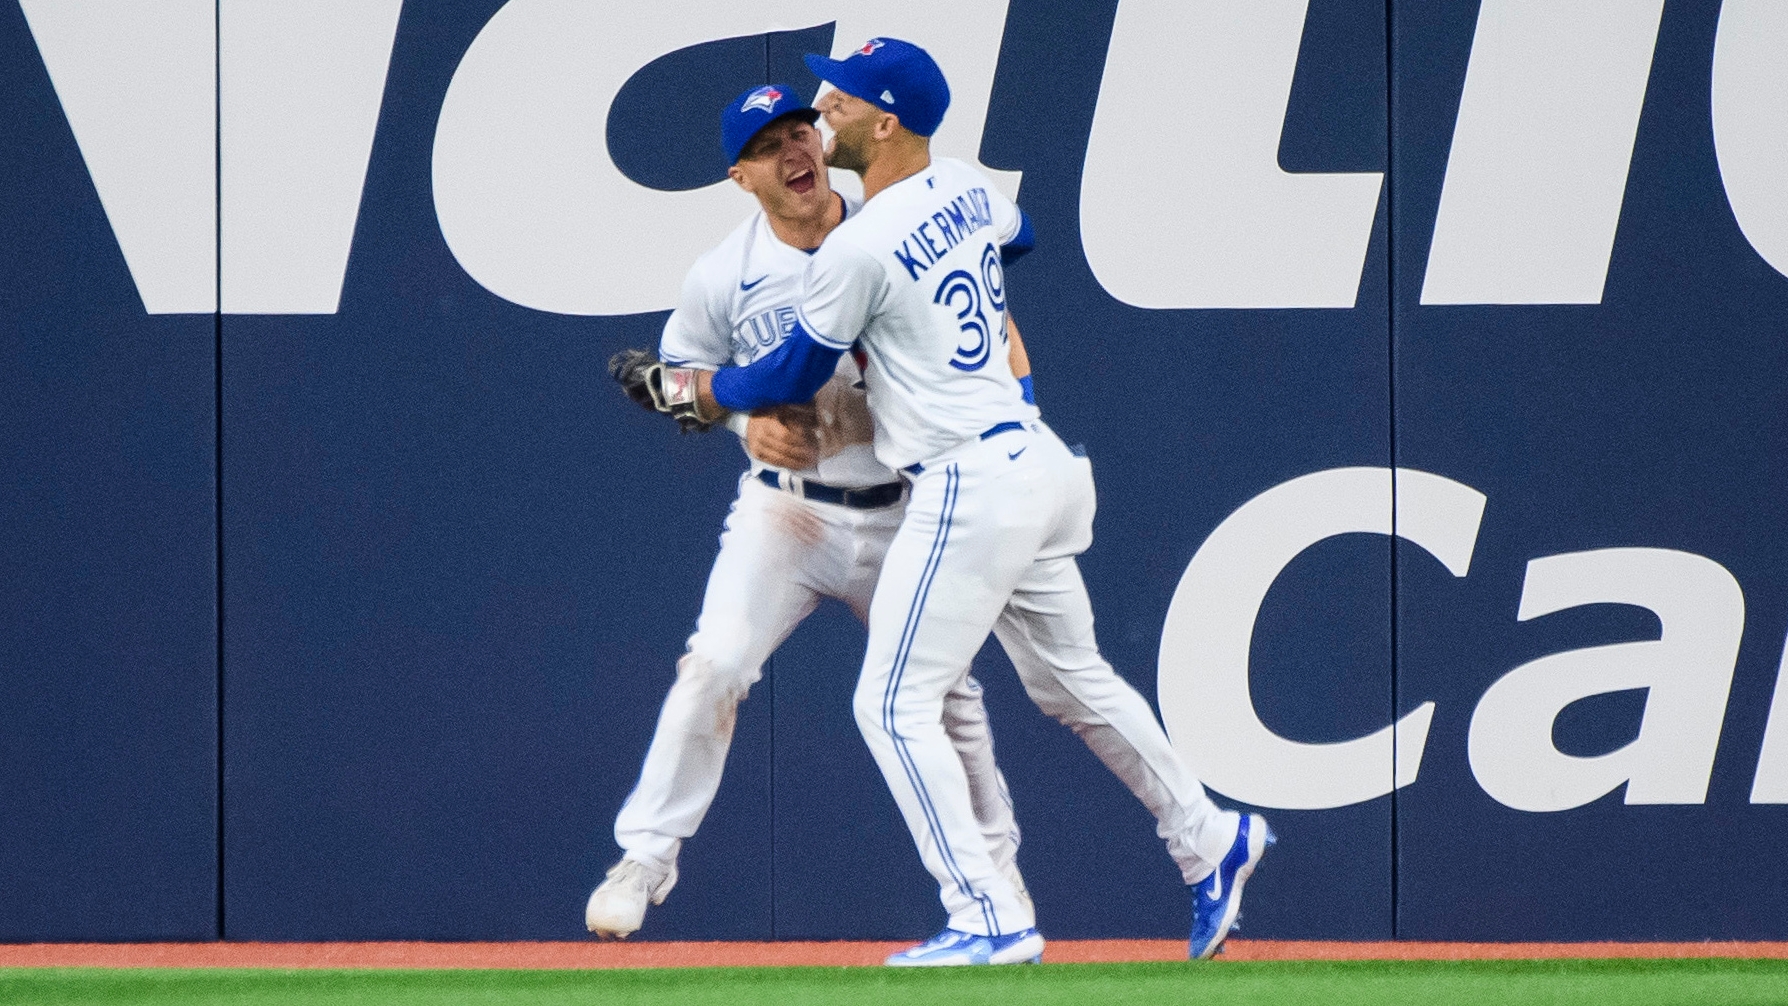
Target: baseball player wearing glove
(914, 284)
(814, 515)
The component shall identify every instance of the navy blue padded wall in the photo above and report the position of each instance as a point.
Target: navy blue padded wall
(1655, 419)
(460, 568)
(108, 653)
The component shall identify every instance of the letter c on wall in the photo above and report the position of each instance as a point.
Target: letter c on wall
(1203, 684)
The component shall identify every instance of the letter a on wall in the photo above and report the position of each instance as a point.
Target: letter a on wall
(1687, 673)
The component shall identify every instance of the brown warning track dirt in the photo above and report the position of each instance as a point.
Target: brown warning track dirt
(679, 955)
(1411, 950)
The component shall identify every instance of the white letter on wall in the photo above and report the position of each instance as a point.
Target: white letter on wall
(1771, 782)
(138, 84)
(1750, 121)
(530, 202)
(302, 81)
(1203, 680)
(1540, 153)
(1182, 201)
(1687, 671)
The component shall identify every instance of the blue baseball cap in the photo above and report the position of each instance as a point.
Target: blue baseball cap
(750, 112)
(894, 76)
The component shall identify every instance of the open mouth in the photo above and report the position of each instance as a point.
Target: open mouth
(802, 181)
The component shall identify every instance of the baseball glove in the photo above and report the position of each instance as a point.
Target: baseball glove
(654, 385)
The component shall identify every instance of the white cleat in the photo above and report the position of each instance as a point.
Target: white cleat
(618, 906)
(953, 947)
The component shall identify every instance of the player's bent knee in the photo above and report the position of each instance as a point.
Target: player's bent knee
(1048, 695)
(878, 710)
(711, 677)
(902, 713)
(1062, 706)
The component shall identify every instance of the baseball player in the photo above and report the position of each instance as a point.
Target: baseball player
(999, 508)
(814, 515)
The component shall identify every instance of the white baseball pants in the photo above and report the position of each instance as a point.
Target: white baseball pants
(988, 543)
(779, 554)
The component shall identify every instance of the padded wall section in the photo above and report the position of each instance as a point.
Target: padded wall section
(459, 566)
(1654, 420)
(108, 654)
(460, 569)
(844, 862)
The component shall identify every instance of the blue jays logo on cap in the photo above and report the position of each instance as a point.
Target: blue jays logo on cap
(754, 110)
(893, 75)
(764, 97)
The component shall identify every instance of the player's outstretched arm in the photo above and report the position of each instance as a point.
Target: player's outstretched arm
(792, 374)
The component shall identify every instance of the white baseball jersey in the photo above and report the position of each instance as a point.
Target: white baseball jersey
(738, 304)
(914, 279)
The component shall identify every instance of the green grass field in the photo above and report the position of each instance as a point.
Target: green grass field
(1622, 982)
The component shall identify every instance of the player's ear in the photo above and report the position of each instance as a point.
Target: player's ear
(886, 125)
(739, 177)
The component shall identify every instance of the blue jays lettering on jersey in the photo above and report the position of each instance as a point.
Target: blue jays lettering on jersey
(761, 332)
(738, 306)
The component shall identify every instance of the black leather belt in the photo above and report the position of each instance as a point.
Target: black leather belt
(870, 498)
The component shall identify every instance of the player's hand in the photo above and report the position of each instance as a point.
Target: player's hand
(628, 368)
(658, 386)
(786, 437)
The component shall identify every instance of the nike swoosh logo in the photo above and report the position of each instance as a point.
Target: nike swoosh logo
(1014, 455)
(1217, 886)
(746, 286)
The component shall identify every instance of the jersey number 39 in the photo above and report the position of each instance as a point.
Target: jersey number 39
(970, 297)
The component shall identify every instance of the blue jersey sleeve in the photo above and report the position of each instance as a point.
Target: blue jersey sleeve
(793, 373)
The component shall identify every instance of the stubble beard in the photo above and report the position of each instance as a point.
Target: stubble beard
(841, 153)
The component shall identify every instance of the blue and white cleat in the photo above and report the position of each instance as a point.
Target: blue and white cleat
(953, 946)
(1217, 899)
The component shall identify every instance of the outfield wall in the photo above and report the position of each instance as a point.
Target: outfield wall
(1428, 356)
